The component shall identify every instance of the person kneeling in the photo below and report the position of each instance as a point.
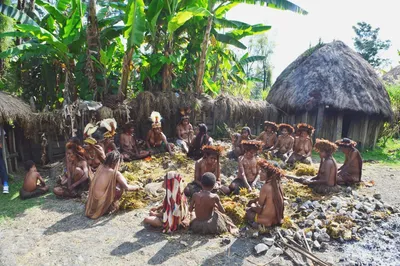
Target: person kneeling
(268, 208)
(107, 187)
(207, 219)
(31, 189)
(173, 213)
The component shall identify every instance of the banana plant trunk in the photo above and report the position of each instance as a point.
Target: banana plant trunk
(203, 54)
(167, 69)
(126, 72)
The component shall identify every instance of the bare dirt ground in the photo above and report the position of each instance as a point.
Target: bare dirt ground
(58, 233)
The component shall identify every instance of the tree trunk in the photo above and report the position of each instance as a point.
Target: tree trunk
(126, 72)
(203, 54)
(216, 67)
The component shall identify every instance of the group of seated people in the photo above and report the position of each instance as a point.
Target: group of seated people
(95, 167)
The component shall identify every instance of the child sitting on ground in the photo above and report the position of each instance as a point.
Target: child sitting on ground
(173, 212)
(30, 188)
(207, 219)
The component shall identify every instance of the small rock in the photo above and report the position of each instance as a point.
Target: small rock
(358, 206)
(312, 215)
(309, 234)
(378, 206)
(318, 223)
(255, 235)
(184, 243)
(308, 223)
(324, 246)
(268, 241)
(324, 237)
(225, 241)
(316, 235)
(317, 245)
(378, 196)
(277, 251)
(297, 236)
(260, 248)
(298, 200)
(348, 190)
(342, 212)
(389, 234)
(316, 204)
(321, 216)
(347, 235)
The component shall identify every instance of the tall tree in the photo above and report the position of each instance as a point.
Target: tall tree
(368, 45)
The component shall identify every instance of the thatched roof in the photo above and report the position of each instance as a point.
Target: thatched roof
(13, 108)
(392, 76)
(333, 75)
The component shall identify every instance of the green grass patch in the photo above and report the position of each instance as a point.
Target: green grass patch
(12, 206)
(388, 155)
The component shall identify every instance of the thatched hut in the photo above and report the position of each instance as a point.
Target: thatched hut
(392, 76)
(334, 89)
(15, 118)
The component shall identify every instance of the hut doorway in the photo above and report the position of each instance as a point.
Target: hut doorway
(346, 126)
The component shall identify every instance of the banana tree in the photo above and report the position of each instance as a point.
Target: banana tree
(217, 11)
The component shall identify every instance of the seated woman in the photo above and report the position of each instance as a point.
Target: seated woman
(268, 136)
(248, 168)
(268, 208)
(156, 140)
(129, 148)
(94, 153)
(107, 187)
(76, 179)
(238, 149)
(326, 180)
(284, 145)
(202, 139)
(173, 213)
(184, 132)
(351, 170)
(302, 148)
(209, 163)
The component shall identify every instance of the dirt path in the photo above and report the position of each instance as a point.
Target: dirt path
(57, 233)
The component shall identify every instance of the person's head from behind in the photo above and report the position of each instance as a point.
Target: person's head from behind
(325, 148)
(208, 181)
(30, 165)
(75, 140)
(235, 138)
(113, 159)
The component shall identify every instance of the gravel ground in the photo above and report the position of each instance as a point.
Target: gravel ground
(58, 233)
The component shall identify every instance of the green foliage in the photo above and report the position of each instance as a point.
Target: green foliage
(368, 45)
(392, 129)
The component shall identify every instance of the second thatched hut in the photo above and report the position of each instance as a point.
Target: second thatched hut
(334, 89)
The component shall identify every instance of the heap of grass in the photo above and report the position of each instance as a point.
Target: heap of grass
(294, 190)
(134, 200)
(302, 169)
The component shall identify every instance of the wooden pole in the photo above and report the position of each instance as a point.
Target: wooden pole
(14, 149)
(3, 143)
(339, 126)
(364, 131)
(377, 129)
(320, 120)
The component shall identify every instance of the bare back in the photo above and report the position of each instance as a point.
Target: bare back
(103, 178)
(204, 204)
(30, 181)
(268, 215)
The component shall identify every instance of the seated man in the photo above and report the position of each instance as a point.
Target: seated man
(166, 215)
(238, 150)
(268, 208)
(284, 145)
(326, 180)
(129, 148)
(207, 219)
(209, 163)
(184, 132)
(94, 153)
(107, 187)
(351, 170)
(302, 148)
(156, 140)
(201, 139)
(268, 136)
(76, 179)
(248, 168)
(30, 188)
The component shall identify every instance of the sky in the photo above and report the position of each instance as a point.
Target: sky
(329, 20)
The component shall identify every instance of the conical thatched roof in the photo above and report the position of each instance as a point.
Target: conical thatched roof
(13, 108)
(333, 75)
(393, 76)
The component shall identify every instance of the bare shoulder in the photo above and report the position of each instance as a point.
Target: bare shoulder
(291, 137)
(266, 188)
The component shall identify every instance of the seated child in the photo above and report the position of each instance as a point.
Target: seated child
(173, 212)
(268, 208)
(31, 189)
(207, 219)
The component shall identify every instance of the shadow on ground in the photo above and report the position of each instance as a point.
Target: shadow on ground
(173, 247)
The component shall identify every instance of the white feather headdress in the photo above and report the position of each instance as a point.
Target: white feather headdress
(156, 119)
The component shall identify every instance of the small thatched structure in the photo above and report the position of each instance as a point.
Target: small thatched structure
(334, 89)
(15, 118)
(392, 76)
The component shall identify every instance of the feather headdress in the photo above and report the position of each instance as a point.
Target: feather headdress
(156, 119)
(346, 142)
(252, 144)
(305, 127)
(89, 130)
(270, 169)
(212, 149)
(185, 112)
(325, 145)
(111, 125)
